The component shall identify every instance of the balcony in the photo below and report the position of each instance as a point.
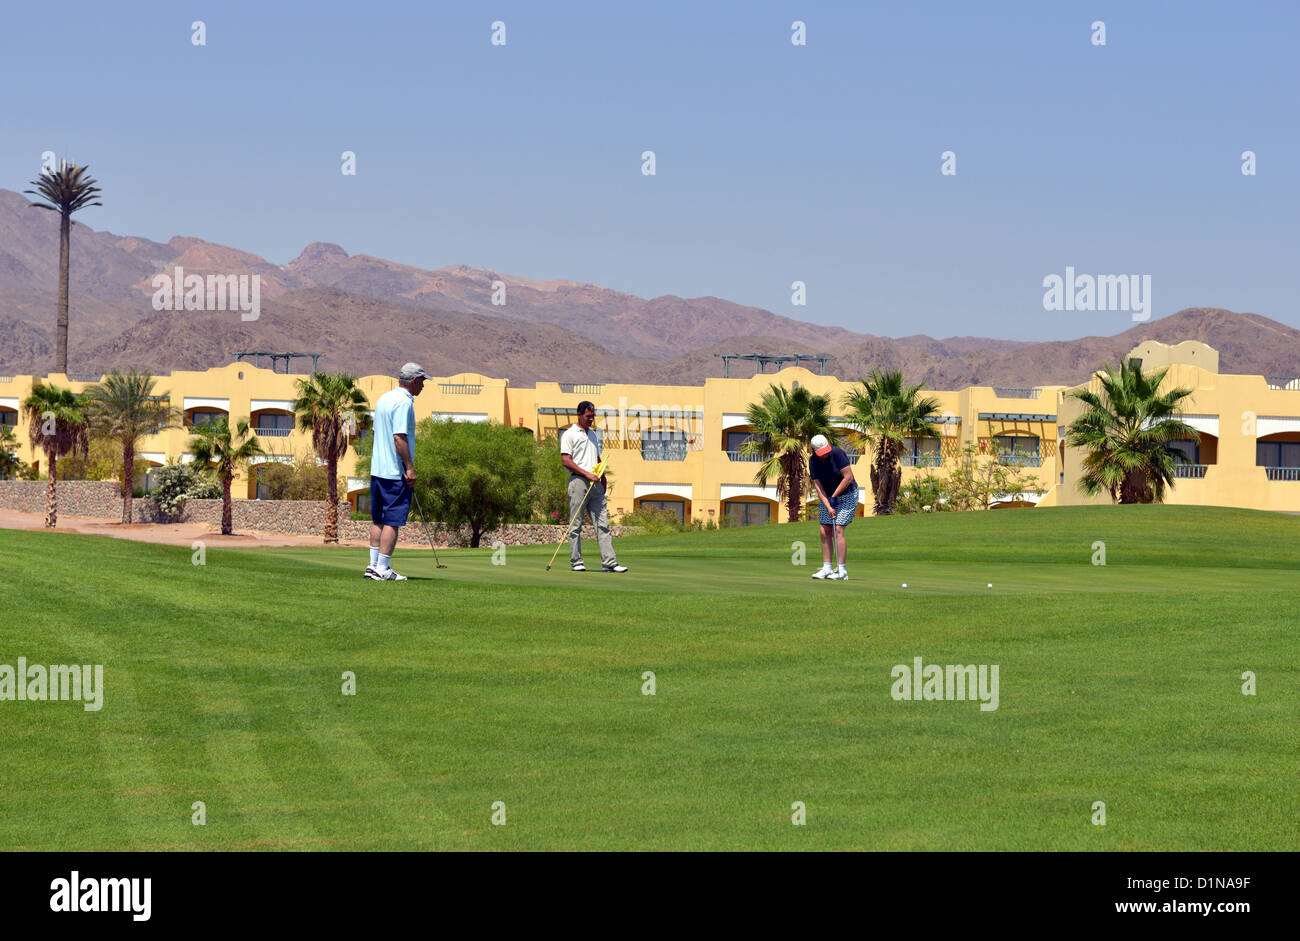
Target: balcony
(1190, 471)
(1285, 383)
(1283, 473)
(663, 451)
(272, 432)
(920, 460)
(582, 388)
(460, 388)
(741, 456)
(1021, 460)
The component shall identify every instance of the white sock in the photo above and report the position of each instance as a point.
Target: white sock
(374, 554)
(382, 563)
(826, 567)
(843, 570)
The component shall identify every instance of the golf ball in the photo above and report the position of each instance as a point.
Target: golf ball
(904, 584)
(990, 584)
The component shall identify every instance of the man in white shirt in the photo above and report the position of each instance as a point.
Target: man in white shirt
(580, 453)
(392, 469)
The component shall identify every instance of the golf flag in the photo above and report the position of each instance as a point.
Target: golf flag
(599, 468)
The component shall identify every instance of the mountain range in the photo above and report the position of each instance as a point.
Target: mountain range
(368, 315)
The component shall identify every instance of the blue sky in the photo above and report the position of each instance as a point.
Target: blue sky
(775, 163)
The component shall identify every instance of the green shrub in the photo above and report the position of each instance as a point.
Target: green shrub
(654, 522)
(174, 483)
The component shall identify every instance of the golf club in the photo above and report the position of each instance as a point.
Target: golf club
(427, 534)
(598, 470)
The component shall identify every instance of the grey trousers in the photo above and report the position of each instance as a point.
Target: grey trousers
(595, 507)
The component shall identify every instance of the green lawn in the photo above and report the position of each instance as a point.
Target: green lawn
(482, 683)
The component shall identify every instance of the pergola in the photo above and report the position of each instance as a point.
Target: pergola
(774, 359)
(276, 357)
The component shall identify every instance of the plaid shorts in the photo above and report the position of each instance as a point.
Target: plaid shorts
(846, 505)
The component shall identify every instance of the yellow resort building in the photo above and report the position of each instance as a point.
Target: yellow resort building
(677, 448)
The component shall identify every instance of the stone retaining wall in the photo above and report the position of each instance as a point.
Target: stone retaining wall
(102, 499)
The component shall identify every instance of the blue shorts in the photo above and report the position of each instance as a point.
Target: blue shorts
(846, 505)
(390, 501)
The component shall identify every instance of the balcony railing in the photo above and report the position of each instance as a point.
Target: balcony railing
(1287, 383)
(460, 388)
(663, 450)
(85, 376)
(1192, 471)
(273, 432)
(1021, 460)
(6, 378)
(741, 456)
(920, 460)
(1283, 473)
(582, 388)
(1012, 392)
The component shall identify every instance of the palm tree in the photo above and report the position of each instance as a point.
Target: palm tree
(125, 408)
(1126, 431)
(333, 408)
(783, 423)
(65, 191)
(56, 423)
(884, 412)
(214, 443)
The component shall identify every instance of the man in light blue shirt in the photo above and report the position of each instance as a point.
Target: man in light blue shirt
(392, 469)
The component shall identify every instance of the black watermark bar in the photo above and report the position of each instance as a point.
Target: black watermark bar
(143, 891)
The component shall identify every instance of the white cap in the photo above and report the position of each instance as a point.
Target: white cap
(820, 445)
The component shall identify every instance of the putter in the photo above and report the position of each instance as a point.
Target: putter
(581, 506)
(427, 534)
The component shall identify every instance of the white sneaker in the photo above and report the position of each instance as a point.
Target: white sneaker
(822, 573)
(369, 572)
(579, 567)
(614, 568)
(839, 576)
(387, 575)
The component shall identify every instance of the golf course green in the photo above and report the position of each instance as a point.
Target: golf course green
(501, 690)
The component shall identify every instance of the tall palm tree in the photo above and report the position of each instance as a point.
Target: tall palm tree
(1126, 431)
(783, 423)
(65, 191)
(884, 412)
(56, 423)
(124, 407)
(215, 443)
(332, 407)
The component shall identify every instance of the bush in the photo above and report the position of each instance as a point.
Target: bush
(925, 493)
(654, 522)
(174, 483)
(304, 479)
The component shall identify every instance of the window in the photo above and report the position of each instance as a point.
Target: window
(363, 502)
(1277, 453)
(1189, 449)
(736, 438)
(205, 417)
(662, 446)
(274, 421)
(743, 513)
(1017, 450)
(921, 452)
(676, 507)
(262, 492)
(9, 418)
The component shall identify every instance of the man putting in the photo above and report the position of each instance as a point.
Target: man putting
(392, 469)
(580, 453)
(837, 491)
